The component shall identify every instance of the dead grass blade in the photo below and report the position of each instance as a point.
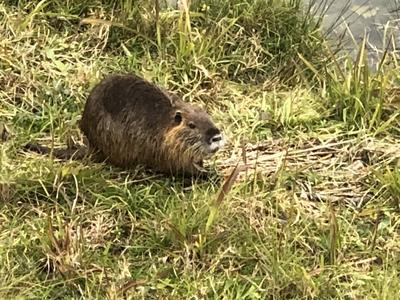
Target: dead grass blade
(226, 187)
(4, 132)
(333, 234)
(129, 284)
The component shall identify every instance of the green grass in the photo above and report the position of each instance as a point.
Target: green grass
(314, 216)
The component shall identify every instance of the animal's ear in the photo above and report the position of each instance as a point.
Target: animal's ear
(178, 116)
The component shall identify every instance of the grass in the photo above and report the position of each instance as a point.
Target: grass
(310, 211)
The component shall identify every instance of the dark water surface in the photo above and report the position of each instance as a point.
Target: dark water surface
(378, 20)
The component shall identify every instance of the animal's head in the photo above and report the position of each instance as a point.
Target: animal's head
(194, 131)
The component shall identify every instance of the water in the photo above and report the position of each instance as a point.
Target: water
(378, 20)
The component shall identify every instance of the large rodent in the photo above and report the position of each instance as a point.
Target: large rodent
(129, 121)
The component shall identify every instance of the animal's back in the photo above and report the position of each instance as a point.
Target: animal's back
(121, 109)
(127, 95)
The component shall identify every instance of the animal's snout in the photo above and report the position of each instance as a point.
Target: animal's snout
(213, 135)
(216, 138)
(215, 141)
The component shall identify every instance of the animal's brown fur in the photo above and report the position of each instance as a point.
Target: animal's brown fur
(129, 121)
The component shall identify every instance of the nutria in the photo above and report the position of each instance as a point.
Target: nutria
(129, 121)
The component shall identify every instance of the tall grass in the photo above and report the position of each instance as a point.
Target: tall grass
(358, 93)
(254, 39)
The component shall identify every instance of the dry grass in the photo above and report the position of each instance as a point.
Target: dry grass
(339, 167)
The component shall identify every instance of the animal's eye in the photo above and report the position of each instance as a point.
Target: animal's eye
(191, 125)
(178, 117)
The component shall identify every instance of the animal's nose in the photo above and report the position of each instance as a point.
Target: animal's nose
(216, 138)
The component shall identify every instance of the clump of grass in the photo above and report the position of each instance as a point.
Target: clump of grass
(250, 46)
(363, 98)
(357, 93)
(389, 183)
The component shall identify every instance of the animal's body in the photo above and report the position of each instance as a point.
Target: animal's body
(129, 121)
